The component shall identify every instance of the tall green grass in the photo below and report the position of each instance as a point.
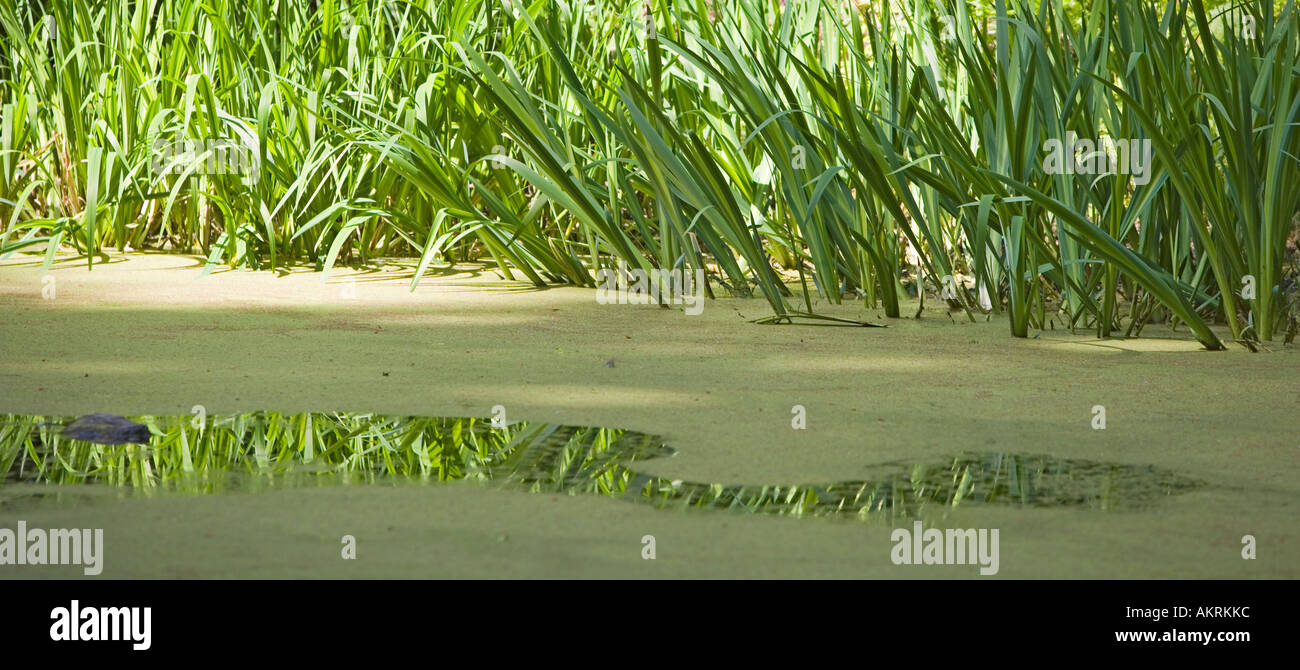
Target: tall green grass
(801, 150)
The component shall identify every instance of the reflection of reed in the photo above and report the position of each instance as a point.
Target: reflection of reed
(265, 449)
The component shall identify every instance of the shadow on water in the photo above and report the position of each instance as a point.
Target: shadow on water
(266, 450)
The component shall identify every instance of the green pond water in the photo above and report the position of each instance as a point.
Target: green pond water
(267, 450)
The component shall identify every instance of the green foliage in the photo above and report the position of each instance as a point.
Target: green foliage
(842, 148)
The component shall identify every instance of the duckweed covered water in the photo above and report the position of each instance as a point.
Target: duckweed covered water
(261, 450)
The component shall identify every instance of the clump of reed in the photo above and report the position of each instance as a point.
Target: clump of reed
(790, 149)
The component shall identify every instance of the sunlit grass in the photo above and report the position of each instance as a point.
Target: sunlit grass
(857, 148)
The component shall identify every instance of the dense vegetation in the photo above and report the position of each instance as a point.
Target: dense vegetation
(846, 149)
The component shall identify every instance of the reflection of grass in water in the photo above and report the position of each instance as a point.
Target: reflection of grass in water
(267, 449)
(277, 447)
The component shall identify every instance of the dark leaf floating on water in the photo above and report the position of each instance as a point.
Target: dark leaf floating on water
(107, 429)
